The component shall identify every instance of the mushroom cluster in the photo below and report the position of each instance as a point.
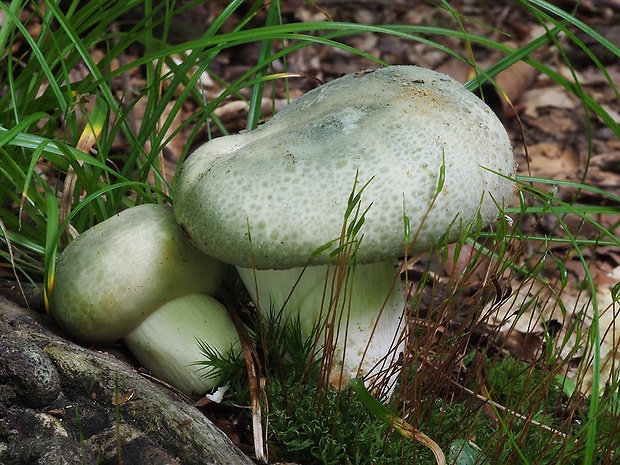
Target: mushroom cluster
(136, 277)
(422, 158)
(314, 208)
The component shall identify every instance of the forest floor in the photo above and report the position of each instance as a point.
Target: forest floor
(554, 136)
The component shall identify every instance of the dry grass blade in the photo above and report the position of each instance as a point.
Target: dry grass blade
(87, 140)
(254, 367)
(409, 431)
(389, 418)
(5, 233)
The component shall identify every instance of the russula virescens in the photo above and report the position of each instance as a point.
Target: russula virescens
(270, 200)
(136, 277)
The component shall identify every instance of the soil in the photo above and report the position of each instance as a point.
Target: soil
(553, 136)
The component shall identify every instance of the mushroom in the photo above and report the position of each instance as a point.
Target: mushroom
(136, 277)
(400, 146)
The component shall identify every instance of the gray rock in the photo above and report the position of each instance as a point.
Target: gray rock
(25, 369)
(78, 408)
(55, 450)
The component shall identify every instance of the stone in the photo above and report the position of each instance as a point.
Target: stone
(76, 408)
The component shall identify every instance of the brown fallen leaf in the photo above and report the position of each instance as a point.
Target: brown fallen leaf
(513, 82)
(534, 307)
(550, 160)
(552, 96)
(124, 398)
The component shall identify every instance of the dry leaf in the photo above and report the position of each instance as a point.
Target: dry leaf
(534, 307)
(541, 97)
(124, 398)
(549, 160)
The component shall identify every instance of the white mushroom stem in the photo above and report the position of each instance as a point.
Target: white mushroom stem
(358, 312)
(166, 343)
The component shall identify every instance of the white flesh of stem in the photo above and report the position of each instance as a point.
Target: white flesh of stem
(166, 342)
(369, 298)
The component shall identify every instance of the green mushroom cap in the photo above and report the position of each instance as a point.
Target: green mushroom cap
(286, 185)
(112, 277)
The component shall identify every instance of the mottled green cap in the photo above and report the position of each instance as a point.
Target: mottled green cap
(288, 182)
(117, 273)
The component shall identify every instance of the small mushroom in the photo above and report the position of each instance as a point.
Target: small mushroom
(136, 277)
(272, 201)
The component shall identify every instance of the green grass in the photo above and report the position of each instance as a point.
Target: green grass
(51, 190)
(315, 426)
